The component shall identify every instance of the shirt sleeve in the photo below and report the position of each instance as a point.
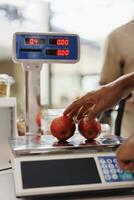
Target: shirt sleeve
(111, 65)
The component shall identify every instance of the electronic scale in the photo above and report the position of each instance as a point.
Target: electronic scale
(34, 49)
(41, 164)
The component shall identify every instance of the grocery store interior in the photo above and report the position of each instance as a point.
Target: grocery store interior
(53, 88)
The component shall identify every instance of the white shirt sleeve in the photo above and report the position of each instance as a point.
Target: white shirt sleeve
(111, 64)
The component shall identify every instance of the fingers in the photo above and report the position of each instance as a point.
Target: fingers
(126, 165)
(80, 106)
(73, 109)
(85, 110)
(125, 155)
(80, 111)
(92, 112)
(88, 109)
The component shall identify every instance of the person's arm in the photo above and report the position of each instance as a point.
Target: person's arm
(127, 82)
(95, 102)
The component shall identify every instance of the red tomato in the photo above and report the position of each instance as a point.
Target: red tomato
(90, 129)
(62, 128)
(38, 119)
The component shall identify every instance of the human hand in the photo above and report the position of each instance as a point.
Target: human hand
(95, 102)
(125, 155)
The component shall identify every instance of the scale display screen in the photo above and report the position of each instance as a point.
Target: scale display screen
(49, 173)
(46, 47)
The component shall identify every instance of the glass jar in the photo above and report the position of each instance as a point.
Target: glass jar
(5, 83)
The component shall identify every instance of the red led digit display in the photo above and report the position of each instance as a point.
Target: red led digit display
(62, 52)
(34, 41)
(62, 42)
(59, 42)
(57, 52)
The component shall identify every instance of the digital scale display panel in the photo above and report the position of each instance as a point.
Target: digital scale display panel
(46, 47)
(49, 173)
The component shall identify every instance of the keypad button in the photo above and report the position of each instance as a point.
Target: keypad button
(119, 171)
(114, 176)
(104, 166)
(115, 160)
(113, 171)
(109, 161)
(107, 177)
(102, 161)
(116, 165)
(111, 166)
(105, 171)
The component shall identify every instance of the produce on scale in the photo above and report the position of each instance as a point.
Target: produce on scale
(90, 129)
(38, 119)
(62, 127)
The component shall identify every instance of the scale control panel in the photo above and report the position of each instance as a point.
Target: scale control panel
(46, 47)
(64, 173)
(111, 170)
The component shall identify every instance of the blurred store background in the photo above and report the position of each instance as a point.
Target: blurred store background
(93, 20)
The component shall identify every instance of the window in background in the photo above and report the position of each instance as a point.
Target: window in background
(93, 20)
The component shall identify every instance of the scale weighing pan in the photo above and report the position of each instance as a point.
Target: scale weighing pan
(36, 144)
